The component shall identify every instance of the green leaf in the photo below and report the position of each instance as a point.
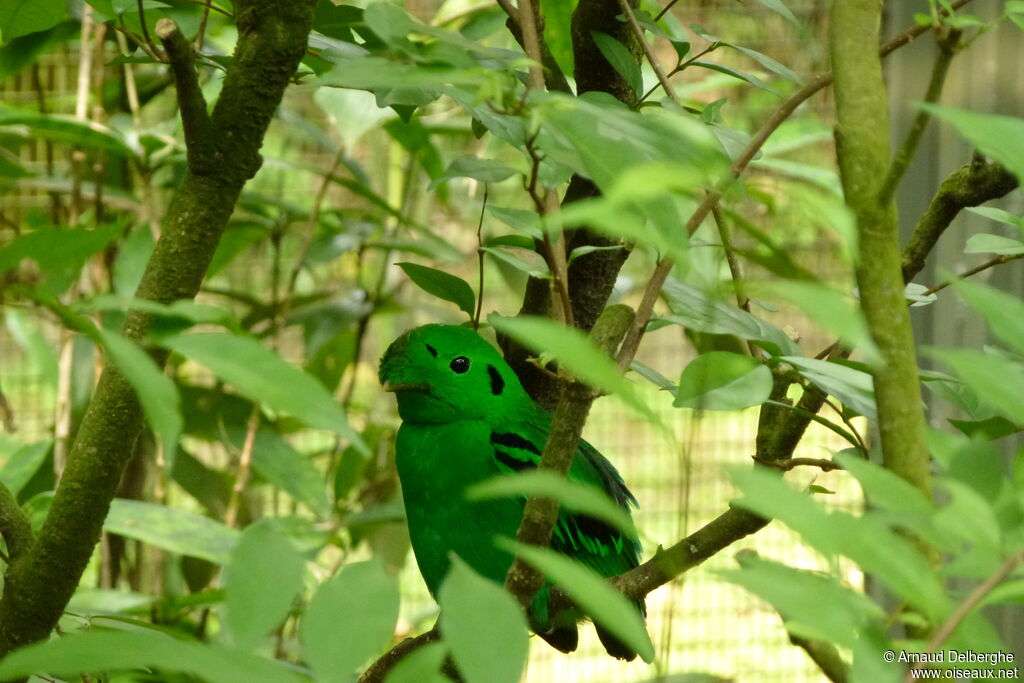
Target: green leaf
(335, 21)
(21, 465)
(582, 128)
(595, 596)
(798, 596)
(890, 557)
(851, 386)
(526, 222)
(178, 531)
(573, 350)
(133, 254)
(21, 17)
(19, 53)
(702, 312)
(286, 468)
(572, 495)
(421, 666)
(719, 380)
(832, 310)
(350, 619)
(60, 252)
(483, 625)
(772, 65)
(67, 130)
(390, 22)
(970, 517)
(558, 31)
(653, 376)
(998, 137)
(155, 390)
(999, 215)
(97, 650)
(484, 170)
(1003, 312)
(261, 375)
(590, 249)
(621, 59)
(442, 285)
(883, 488)
(539, 270)
(736, 73)
(995, 380)
(986, 243)
(262, 578)
(780, 7)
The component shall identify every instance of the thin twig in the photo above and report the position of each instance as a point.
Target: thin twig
(7, 414)
(665, 9)
(194, 119)
(947, 46)
(793, 463)
(480, 260)
(311, 224)
(998, 260)
(849, 424)
(825, 655)
(14, 525)
(682, 66)
(531, 43)
(202, 25)
(638, 32)
(735, 275)
(969, 603)
(145, 29)
(244, 468)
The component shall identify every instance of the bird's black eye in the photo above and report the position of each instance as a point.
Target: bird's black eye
(459, 365)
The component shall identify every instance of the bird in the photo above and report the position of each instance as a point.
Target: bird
(467, 418)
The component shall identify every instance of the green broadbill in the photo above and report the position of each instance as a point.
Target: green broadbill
(466, 418)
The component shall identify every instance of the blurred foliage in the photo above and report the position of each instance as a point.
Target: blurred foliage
(268, 453)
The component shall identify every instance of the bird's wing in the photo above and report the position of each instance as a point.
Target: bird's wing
(595, 543)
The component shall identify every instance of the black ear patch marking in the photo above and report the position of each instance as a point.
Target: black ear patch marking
(432, 350)
(497, 383)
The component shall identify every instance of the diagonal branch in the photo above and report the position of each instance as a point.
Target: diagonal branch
(975, 183)
(194, 119)
(14, 525)
(272, 38)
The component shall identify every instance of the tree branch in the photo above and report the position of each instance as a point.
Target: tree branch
(195, 121)
(969, 603)
(380, 668)
(991, 263)
(825, 655)
(272, 39)
(975, 183)
(638, 33)
(540, 514)
(14, 525)
(947, 45)
(554, 79)
(862, 146)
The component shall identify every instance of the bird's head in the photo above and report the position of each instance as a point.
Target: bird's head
(444, 373)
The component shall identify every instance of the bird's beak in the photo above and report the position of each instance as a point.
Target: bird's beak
(406, 386)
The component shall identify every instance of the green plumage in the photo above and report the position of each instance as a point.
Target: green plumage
(466, 418)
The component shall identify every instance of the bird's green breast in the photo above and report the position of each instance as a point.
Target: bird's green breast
(436, 463)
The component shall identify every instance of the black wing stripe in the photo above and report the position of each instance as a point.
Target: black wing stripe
(497, 383)
(512, 462)
(513, 440)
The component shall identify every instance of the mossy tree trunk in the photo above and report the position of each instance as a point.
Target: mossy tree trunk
(862, 144)
(223, 154)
